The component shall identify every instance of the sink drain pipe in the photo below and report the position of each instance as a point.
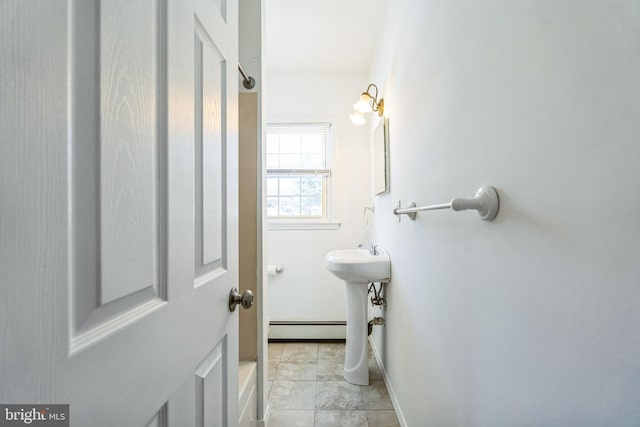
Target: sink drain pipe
(376, 300)
(375, 321)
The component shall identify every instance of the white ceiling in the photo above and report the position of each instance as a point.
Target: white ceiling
(322, 35)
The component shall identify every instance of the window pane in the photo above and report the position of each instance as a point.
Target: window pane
(289, 206)
(272, 206)
(290, 161)
(311, 185)
(312, 205)
(311, 161)
(273, 161)
(289, 185)
(289, 143)
(298, 150)
(272, 144)
(312, 143)
(272, 186)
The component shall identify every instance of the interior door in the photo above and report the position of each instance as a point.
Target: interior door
(144, 197)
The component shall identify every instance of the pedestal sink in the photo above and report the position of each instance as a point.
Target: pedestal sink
(358, 267)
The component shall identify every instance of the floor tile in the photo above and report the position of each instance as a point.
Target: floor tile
(300, 351)
(375, 396)
(331, 351)
(330, 370)
(340, 419)
(297, 369)
(272, 367)
(382, 419)
(338, 395)
(374, 371)
(275, 350)
(292, 418)
(306, 388)
(293, 394)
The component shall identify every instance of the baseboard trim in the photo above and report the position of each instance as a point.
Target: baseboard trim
(387, 382)
(307, 330)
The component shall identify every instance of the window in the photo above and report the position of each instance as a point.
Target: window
(298, 170)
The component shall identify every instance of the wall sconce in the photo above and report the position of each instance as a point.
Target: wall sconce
(366, 104)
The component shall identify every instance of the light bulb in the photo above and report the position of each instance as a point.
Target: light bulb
(357, 118)
(364, 103)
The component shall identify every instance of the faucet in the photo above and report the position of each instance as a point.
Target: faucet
(372, 247)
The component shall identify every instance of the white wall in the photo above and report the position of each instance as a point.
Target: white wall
(305, 290)
(533, 319)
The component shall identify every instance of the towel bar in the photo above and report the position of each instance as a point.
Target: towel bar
(486, 202)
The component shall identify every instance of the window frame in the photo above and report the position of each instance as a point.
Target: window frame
(299, 221)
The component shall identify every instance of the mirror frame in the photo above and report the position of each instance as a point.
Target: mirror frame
(381, 158)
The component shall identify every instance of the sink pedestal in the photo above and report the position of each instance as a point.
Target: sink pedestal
(358, 267)
(356, 360)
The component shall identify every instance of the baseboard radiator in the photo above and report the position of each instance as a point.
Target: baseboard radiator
(307, 330)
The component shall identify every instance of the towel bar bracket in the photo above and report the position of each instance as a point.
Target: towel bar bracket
(485, 201)
(412, 215)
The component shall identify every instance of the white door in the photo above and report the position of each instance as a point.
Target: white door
(119, 218)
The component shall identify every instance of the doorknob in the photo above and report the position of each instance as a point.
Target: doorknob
(246, 299)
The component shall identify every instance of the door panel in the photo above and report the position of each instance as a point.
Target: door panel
(132, 145)
(210, 393)
(153, 177)
(210, 117)
(119, 172)
(100, 309)
(159, 419)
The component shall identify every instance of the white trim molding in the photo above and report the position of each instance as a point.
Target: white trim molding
(387, 382)
(302, 225)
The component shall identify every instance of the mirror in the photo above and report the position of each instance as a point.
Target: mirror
(381, 157)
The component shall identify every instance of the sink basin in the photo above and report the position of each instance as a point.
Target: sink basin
(359, 265)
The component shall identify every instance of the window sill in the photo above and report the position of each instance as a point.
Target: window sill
(302, 225)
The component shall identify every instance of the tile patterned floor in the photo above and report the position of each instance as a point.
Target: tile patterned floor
(306, 389)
